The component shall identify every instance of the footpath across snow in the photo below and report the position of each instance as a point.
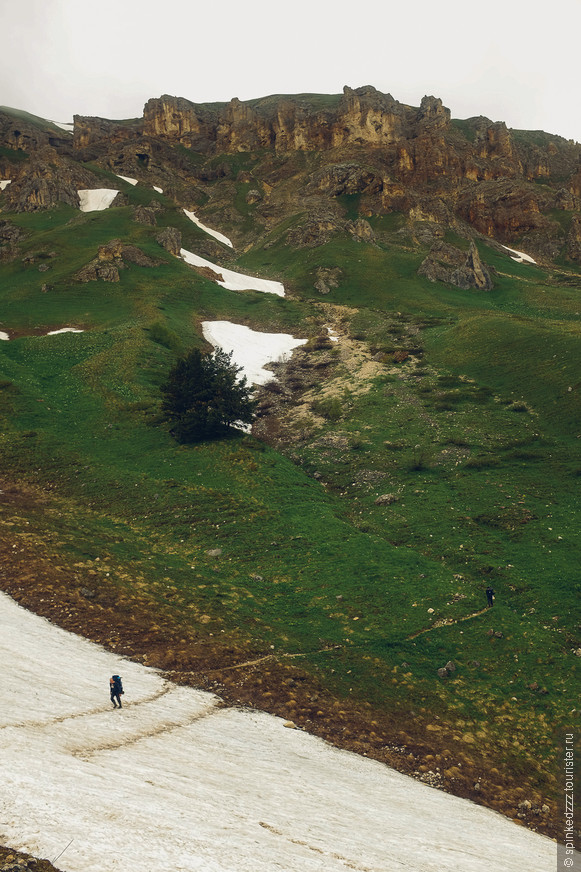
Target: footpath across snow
(176, 781)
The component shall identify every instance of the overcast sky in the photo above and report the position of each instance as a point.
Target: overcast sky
(511, 60)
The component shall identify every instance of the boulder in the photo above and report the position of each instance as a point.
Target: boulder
(170, 238)
(386, 500)
(448, 264)
(144, 215)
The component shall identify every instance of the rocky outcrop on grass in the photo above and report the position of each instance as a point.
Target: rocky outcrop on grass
(448, 264)
(111, 258)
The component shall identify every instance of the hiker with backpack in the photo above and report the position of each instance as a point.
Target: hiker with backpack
(116, 689)
(490, 597)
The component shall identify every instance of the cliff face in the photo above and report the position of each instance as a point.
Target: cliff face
(361, 116)
(307, 150)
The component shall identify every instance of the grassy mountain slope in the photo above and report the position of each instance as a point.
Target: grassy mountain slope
(278, 551)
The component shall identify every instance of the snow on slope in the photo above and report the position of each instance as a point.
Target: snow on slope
(4, 184)
(127, 179)
(251, 349)
(68, 126)
(219, 236)
(96, 199)
(4, 336)
(175, 781)
(234, 281)
(64, 330)
(519, 256)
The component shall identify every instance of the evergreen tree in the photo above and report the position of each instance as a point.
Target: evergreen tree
(204, 396)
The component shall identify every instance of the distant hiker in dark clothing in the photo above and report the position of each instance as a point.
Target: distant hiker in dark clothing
(116, 688)
(490, 597)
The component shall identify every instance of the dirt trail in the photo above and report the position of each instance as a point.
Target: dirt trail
(446, 622)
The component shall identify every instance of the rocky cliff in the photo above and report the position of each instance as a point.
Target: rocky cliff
(515, 186)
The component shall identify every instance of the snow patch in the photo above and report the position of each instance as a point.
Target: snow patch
(219, 236)
(251, 349)
(68, 126)
(64, 330)
(127, 179)
(519, 256)
(175, 781)
(234, 281)
(4, 184)
(4, 336)
(159, 190)
(96, 199)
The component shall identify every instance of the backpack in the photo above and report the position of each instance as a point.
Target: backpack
(117, 685)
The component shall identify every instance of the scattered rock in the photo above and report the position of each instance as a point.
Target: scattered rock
(87, 593)
(386, 500)
(214, 552)
(170, 238)
(144, 215)
(208, 273)
(327, 279)
(360, 230)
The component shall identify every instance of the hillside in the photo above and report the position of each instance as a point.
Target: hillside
(421, 444)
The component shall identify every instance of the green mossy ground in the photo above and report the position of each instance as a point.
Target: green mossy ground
(477, 435)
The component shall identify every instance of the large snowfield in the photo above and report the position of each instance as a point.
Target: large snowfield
(177, 781)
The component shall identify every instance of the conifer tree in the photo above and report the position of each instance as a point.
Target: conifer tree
(204, 396)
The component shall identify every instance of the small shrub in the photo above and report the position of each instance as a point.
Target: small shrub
(160, 333)
(359, 444)
(395, 446)
(484, 462)
(420, 459)
(329, 408)
(318, 343)
(273, 387)
(519, 406)
(252, 444)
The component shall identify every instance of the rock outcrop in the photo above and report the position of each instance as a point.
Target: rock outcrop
(111, 258)
(170, 238)
(46, 180)
(446, 263)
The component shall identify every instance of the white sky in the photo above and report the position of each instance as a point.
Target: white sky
(510, 60)
(175, 781)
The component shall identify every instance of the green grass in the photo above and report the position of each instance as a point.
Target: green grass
(476, 435)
